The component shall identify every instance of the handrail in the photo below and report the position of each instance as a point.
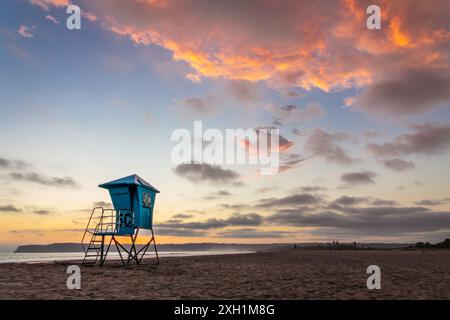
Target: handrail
(103, 225)
(87, 226)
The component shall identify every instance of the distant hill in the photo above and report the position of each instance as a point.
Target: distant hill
(440, 245)
(55, 247)
(76, 247)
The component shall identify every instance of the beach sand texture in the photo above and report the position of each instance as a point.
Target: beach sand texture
(287, 274)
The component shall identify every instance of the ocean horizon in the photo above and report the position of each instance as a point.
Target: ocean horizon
(45, 257)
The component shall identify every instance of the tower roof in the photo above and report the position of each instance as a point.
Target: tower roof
(134, 179)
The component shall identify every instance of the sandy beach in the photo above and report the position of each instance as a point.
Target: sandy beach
(288, 274)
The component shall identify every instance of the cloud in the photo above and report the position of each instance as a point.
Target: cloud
(348, 201)
(42, 212)
(234, 206)
(358, 178)
(290, 161)
(102, 204)
(296, 114)
(325, 145)
(9, 208)
(413, 92)
(199, 105)
(236, 219)
(13, 164)
(312, 188)
(178, 232)
(298, 132)
(33, 177)
(52, 19)
(46, 4)
(426, 139)
(252, 233)
(300, 199)
(289, 43)
(89, 16)
(182, 216)
(383, 202)
(370, 134)
(428, 202)
(369, 221)
(204, 172)
(217, 195)
(244, 91)
(25, 31)
(249, 219)
(398, 164)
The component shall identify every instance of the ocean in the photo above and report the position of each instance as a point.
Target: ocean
(70, 256)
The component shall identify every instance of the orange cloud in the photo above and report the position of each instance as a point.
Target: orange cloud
(305, 44)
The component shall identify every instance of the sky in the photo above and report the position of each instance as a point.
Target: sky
(363, 115)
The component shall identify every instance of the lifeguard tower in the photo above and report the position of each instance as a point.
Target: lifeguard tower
(133, 200)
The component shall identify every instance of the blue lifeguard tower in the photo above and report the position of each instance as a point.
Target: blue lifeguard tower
(133, 201)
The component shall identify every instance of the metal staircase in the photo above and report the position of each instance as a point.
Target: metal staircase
(101, 222)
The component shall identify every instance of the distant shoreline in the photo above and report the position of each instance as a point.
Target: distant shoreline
(76, 247)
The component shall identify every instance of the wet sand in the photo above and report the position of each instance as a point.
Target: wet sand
(288, 274)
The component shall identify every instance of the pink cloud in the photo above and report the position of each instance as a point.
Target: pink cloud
(25, 31)
(52, 19)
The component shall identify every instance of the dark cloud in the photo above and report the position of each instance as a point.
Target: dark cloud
(358, 178)
(203, 225)
(412, 92)
(312, 188)
(427, 138)
(204, 172)
(349, 201)
(178, 232)
(244, 91)
(298, 132)
(293, 200)
(182, 216)
(429, 202)
(290, 161)
(252, 233)
(325, 145)
(102, 204)
(236, 219)
(397, 164)
(13, 164)
(217, 195)
(296, 114)
(42, 212)
(235, 206)
(342, 203)
(383, 203)
(200, 105)
(368, 221)
(65, 182)
(9, 208)
(249, 219)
